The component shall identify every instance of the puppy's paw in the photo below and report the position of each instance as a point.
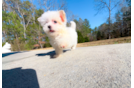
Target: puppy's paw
(55, 56)
(73, 48)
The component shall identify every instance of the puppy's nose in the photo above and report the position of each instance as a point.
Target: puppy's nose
(49, 27)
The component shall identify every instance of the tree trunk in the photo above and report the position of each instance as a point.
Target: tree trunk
(109, 32)
(4, 35)
(41, 45)
(17, 42)
(39, 39)
(24, 26)
(39, 42)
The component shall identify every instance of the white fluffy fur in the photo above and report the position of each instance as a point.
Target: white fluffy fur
(63, 37)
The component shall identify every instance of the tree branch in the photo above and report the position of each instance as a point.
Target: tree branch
(115, 5)
(99, 9)
(105, 4)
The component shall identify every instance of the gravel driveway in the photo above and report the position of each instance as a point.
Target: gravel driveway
(106, 66)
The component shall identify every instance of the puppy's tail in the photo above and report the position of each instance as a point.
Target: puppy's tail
(73, 25)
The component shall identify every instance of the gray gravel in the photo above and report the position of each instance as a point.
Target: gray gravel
(106, 66)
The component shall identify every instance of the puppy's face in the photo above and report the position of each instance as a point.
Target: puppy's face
(53, 22)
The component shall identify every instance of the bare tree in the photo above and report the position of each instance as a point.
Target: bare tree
(52, 4)
(4, 5)
(24, 9)
(24, 13)
(70, 16)
(4, 8)
(110, 5)
(46, 5)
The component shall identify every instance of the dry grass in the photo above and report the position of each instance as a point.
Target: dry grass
(101, 42)
(105, 42)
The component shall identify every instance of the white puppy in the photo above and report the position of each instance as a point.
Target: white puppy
(60, 36)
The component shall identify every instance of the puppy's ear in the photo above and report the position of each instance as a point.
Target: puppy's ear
(39, 19)
(62, 15)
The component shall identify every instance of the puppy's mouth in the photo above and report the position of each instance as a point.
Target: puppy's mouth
(51, 31)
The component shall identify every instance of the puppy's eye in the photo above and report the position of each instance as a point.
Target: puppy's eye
(55, 21)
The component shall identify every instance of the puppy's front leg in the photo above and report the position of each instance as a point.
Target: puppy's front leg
(74, 46)
(58, 51)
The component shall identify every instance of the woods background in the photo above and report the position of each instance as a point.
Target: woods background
(21, 29)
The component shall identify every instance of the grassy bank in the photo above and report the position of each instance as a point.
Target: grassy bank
(105, 42)
(101, 42)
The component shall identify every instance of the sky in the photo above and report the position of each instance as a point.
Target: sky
(85, 9)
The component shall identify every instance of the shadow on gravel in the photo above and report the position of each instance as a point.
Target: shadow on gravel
(51, 53)
(19, 78)
(7, 54)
